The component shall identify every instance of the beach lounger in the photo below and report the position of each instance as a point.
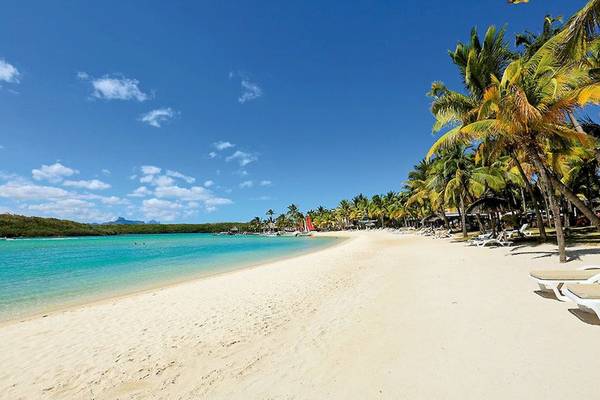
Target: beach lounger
(587, 297)
(522, 232)
(555, 280)
(500, 241)
(476, 240)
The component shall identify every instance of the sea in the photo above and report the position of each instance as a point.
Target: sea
(44, 274)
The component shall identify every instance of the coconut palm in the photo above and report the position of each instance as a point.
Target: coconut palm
(526, 109)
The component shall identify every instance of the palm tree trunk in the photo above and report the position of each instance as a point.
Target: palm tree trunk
(477, 214)
(575, 123)
(546, 207)
(579, 129)
(538, 214)
(567, 207)
(444, 217)
(576, 201)
(547, 182)
(463, 217)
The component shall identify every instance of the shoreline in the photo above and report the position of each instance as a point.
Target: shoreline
(108, 298)
(374, 316)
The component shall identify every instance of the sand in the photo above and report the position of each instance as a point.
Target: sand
(380, 316)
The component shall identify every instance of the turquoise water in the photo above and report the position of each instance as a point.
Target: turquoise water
(37, 275)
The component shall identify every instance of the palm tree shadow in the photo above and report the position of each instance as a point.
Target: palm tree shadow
(585, 317)
(573, 254)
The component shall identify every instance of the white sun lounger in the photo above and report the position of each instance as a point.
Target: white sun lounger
(494, 242)
(500, 240)
(476, 240)
(520, 232)
(587, 297)
(555, 280)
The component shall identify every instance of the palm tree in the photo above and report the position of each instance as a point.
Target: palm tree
(526, 109)
(376, 209)
(270, 214)
(295, 216)
(344, 210)
(256, 224)
(467, 181)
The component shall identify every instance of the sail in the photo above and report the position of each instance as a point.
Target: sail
(309, 224)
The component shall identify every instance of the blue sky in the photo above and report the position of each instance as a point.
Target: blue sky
(214, 111)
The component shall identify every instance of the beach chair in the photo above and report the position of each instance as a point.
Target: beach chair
(443, 234)
(476, 240)
(587, 297)
(556, 279)
(500, 240)
(522, 232)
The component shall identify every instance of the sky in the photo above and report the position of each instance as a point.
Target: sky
(197, 111)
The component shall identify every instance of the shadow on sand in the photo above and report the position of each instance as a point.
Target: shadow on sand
(546, 295)
(572, 254)
(586, 317)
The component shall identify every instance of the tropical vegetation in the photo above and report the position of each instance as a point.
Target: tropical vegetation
(514, 143)
(16, 226)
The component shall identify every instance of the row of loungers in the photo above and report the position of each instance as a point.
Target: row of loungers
(580, 286)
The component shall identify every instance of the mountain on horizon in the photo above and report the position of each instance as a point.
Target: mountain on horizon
(123, 221)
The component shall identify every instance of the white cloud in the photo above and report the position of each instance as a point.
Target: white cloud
(193, 194)
(108, 200)
(20, 190)
(106, 171)
(163, 210)
(212, 154)
(93, 184)
(8, 72)
(113, 200)
(242, 158)
(150, 170)
(163, 180)
(246, 184)
(265, 183)
(156, 117)
(76, 209)
(250, 91)
(217, 201)
(53, 173)
(151, 176)
(142, 191)
(118, 88)
(221, 145)
(179, 175)
(83, 75)
(208, 183)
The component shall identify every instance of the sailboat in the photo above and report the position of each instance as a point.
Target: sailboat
(308, 227)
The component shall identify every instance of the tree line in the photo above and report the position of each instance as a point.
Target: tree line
(514, 133)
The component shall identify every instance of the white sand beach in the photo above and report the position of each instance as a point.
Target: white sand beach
(379, 316)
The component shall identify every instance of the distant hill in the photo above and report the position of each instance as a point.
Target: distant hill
(21, 226)
(123, 221)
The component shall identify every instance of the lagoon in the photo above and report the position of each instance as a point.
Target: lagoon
(39, 275)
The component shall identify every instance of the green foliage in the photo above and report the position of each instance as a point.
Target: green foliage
(21, 226)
